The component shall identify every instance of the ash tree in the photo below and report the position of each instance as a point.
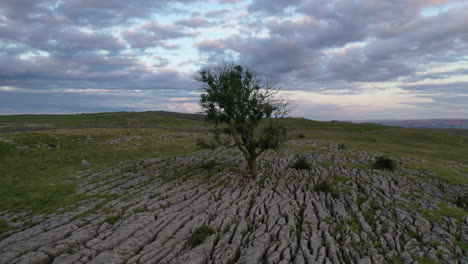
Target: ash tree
(244, 109)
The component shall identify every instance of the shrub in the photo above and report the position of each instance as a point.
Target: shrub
(112, 218)
(301, 163)
(462, 201)
(209, 165)
(200, 235)
(202, 144)
(301, 135)
(341, 146)
(325, 187)
(384, 163)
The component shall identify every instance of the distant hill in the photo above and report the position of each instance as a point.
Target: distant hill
(420, 123)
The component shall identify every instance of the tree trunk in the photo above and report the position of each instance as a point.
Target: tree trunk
(252, 162)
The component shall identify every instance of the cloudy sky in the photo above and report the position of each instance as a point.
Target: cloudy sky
(333, 59)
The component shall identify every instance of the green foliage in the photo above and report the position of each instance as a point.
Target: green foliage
(113, 119)
(394, 260)
(462, 201)
(326, 187)
(301, 135)
(203, 144)
(238, 99)
(353, 224)
(4, 227)
(384, 163)
(209, 165)
(440, 172)
(445, 209)
(112, 218)
(427, 260)
(463, 245)
(272, 137)
(140, 210)
(200, 235)
(41, 179)
(301, 163)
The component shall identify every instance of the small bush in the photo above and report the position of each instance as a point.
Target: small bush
(325, 187)
(201, 143)
(200, 235)
(384, 163)
(341, 146)
(112, 218)
(301, 163)
(462, 201)
(209, 165)
(301, 135)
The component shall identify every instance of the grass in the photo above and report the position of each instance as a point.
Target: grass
(426, 260)
(156, 118)
(40, 179)
(301, 163)
(441, 172)
(444, 210)
(432, 145)
(112, 218)
(38, 176)
(200, 235)
(4, 227)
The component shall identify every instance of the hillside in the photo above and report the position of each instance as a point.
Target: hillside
(148, 195)
(423, 123)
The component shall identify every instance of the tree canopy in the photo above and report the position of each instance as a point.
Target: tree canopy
(245, 110)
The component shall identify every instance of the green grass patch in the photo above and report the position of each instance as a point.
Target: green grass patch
(440, 172)
(4, 227)
(359, 166)
(40, 178)
(303, 125)
(444, 210)
(427, 260)
(200, 235)
(112, 218)
(463, 245)
(353, 224)
(156, 118)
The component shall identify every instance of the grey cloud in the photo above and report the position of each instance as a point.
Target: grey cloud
(452, 87)
(193, 22)
(91, 71)
(216, 13)
(436, 75)
(107, 13)
(396, 41)
(278, 7)
(152, 34)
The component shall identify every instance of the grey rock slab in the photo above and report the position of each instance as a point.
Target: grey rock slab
(33, 258)
(107, 257)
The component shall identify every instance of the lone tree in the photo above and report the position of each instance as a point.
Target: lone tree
(244, 109)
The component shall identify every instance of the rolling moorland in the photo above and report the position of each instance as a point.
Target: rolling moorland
(135, 188)
(422, 123)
